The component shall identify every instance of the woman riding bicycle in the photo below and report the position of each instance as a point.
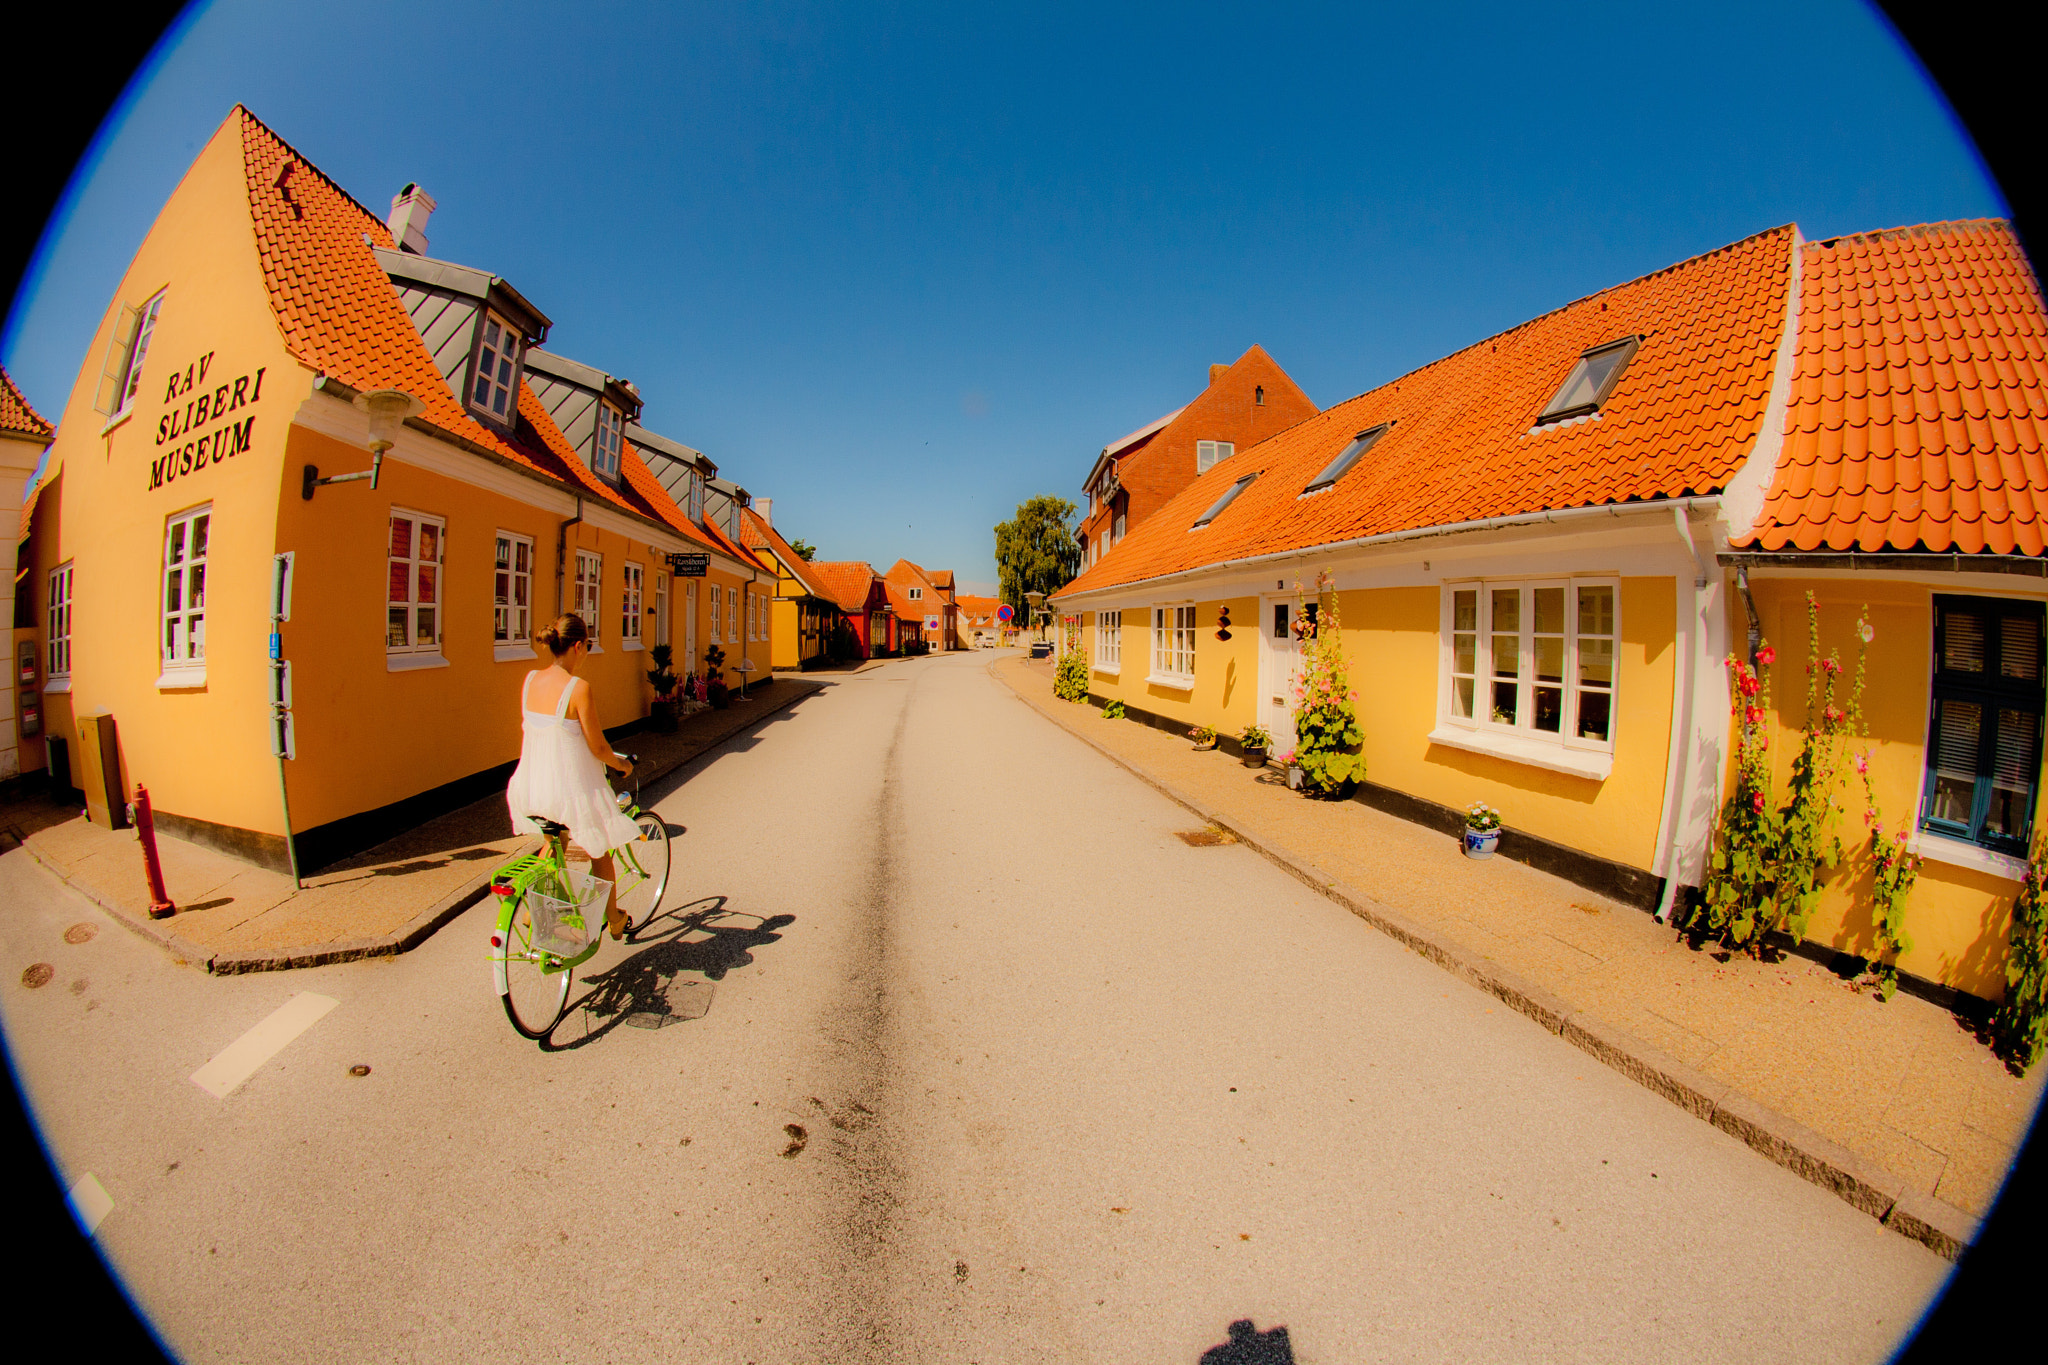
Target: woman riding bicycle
(559, 777)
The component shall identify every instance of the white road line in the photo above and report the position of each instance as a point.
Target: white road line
(89, 1202)
(238, 1061)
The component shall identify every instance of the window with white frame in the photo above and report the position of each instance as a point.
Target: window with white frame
(121, 377)
(611, 432)
(58, 623)
(589, 578)
(917, 594)
(661, 626)
(512, 591)
(732, 616)
(184, 600)
(1534, 659)
(753, 615)
(716, 597)
(1173, 645)
(1984, 734)
(1209, 452)
(696, 495)
(495, 392)
(1109, 641)
(631, 604)
(412, 598)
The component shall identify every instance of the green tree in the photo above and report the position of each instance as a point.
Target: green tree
(1036, 552)
(804, 550)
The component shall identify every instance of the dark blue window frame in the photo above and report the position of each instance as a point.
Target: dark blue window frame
(1984, 722)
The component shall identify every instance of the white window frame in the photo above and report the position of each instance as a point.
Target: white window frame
(1520, 741)
(183, 656)
(662, 626)
(131, 343)
(1173, 645)
(717, 624)
(732, 616)
(1109, 642)
(416, 652)
(611, 435)
(590, 595)
(511, 623)
(501, 377)
(632, 604)
(57, 630)
(1211, 453)
(917, 594)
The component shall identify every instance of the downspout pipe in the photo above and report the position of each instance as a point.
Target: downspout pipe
(562, 551)
(1684, 696)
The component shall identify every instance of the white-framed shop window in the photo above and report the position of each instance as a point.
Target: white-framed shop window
(186, 541)
(512, 598)
(589, 580)
(413, 589)
(57, 631)
(1532, 663)
(1109, 641)
(1173, 645)
(631, 604)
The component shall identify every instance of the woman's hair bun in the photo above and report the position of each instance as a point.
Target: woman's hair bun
(566, 632)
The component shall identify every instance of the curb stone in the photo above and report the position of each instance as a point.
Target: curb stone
(1939, 1226)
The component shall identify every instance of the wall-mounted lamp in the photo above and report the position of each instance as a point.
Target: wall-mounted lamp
(387, 410)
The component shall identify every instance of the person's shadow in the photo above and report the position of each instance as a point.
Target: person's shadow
(702, 937)
(1249, 1346)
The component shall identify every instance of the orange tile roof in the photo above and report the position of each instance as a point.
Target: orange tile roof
(17, 418)
(1465, 447)
(900, 603)
(340, 316)
(1918, 417)
(845, 582)
(759, 535)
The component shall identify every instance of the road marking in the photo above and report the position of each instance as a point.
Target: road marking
(238, 1061)
(89, 1202)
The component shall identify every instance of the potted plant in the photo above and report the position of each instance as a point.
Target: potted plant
(1204, 736)
(714, 677)
(1255, 741)
(661, 717)
(1293, 767)
(1482, 830)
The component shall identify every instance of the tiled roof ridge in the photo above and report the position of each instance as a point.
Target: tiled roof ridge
(1528, 323)
(17, 414)
(1907, 231)
(302, 159)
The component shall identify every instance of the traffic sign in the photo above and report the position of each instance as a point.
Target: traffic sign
(1005, 614)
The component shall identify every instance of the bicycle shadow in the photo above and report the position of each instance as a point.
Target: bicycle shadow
(649, 988)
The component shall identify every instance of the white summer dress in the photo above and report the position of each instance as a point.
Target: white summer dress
(559, 779)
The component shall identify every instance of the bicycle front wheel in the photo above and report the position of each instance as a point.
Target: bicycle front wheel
(642, 871)
(534, 996)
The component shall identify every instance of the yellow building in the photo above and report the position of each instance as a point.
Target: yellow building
(801, 613)
(185, 534)
(1533, 548)
(24, 436)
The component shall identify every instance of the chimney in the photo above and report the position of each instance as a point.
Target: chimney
(410, 208)
(762, 506)
(1215, 371)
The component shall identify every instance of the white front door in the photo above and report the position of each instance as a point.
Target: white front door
(1279, 662)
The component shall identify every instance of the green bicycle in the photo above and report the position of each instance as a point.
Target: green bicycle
(533, 952)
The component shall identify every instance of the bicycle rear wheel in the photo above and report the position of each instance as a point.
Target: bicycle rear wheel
(642, 869)
(534, 997)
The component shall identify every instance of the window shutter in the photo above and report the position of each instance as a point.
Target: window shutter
(108, 399)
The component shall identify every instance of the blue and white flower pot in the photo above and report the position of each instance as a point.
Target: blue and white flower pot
(1480, 843)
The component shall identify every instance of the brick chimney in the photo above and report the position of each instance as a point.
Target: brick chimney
(1216, 372)
(410, 208)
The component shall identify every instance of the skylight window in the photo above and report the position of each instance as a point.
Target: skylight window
(1229, 496)
(1347, 457)
(1591, 380)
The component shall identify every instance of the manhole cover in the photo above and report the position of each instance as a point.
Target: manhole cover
(37, 974)
(359, 1070)
(1206, 838)
(80, 933)
(672, 1003)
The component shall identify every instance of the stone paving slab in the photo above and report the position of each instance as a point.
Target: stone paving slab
(1895, 1105)
(233, 917)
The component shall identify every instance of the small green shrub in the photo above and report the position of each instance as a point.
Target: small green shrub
(1113, 711)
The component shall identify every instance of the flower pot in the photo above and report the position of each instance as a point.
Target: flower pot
(1254, 758)
(1203, 746)
(1480, 843)
(1294, 777)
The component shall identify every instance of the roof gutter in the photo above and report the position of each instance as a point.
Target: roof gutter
(2028, 566)
(1560, 516)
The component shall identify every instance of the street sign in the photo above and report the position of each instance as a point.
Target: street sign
(1005, 614)
(931, 623)
(687, 565)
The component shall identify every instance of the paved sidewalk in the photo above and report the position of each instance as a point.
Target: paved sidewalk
(1896, 1106)
(233, 917)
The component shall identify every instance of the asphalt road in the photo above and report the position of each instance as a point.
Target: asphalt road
(991, 1067)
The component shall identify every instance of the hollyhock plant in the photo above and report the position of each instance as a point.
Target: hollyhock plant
(1325, 705)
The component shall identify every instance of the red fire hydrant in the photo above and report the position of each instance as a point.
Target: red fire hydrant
(145, 830)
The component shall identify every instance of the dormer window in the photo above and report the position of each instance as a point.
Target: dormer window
(1591, 380)
(611, 428)
(696, 496)
(1209, 452)
(1229, 496)
(495, 392)
(1347, 457)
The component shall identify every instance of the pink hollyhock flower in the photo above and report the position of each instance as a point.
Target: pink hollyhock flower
(1767, 656)
(1757, 803)
(1754, 715)
(1750, 686)
(1863, 763)
(1864, 632)
(1763, 741)
(1831, 665)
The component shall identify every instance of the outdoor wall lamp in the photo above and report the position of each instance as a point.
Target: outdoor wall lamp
(387, 410)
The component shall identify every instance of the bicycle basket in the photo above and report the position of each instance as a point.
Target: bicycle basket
(565, 916)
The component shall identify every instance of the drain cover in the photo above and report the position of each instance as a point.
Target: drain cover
(80, 933)
(37, 974)
(674, 1002)
(1205, 838)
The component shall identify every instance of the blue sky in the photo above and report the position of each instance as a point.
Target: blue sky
(900, 267)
